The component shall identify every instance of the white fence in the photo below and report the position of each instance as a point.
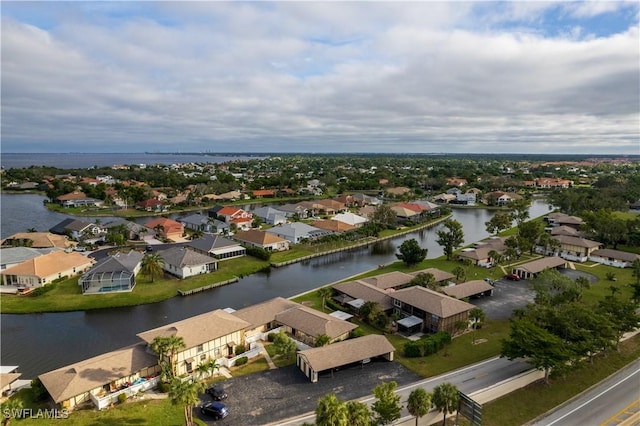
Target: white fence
(112, 398)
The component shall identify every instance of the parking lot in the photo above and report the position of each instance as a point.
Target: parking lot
(273, 395)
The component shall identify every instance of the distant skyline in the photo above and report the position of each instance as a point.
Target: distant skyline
(314, 77)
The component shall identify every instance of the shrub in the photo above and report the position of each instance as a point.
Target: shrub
(38, 390)
(241, 361)
(271, 337)
(427, 346)
(122, 397)
(41, 290)
(259, 253)
(240, 349)
(358, 332)
(164, 387)
(413, 349)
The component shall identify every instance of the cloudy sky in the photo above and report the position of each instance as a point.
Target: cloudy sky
(428, 77)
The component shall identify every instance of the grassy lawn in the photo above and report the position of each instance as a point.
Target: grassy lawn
(253, 366)
(277, 359)
(67, 296)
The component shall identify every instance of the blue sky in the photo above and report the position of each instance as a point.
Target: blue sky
(503, 77)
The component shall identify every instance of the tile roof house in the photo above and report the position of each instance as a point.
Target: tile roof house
(152, 205)
(436, 311)
(185, 262)
(219, 247)
(439, 275)
(77, 199)
(365, 292)
(617, 258)
(206, 224)
(37, 240)
(261, 239)
(100, 379)
(297, 231)
(261, 193)
(333, 226)
(166, 228)
(576, 248)
(43, 270)
(262, 317)
(212, 335)
(393, 279)
(359, 350)
(290, 210)
(116, 273)
(351, 219)
(12, 256)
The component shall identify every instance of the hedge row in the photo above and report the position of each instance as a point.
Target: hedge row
(427, 346)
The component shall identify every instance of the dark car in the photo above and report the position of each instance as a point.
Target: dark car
(215, 409)
(217, 392)
(512, 277)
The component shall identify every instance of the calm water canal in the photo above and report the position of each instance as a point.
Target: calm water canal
(43, 342)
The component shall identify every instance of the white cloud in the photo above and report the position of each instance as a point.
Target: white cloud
(317, 76)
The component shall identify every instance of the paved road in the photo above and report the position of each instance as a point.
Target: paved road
(604, 404)
(468, 380)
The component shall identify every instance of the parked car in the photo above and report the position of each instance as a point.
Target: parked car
(490, 281)
(512, 277)
(217, 392)
(215, 409)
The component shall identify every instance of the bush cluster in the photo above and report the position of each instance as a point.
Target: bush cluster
(258, 252)
(241, 361)
(427, 346)
(240, 349)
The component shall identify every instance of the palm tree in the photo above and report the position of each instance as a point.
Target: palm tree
(167, 348)
(477, 316)
(198, 233)
(419, 403)
(9, 406)
(330, 411)
(207, 368)
(459, 272)
(322, 340)
(186, 393)
(152, 265)
(445, 398)
(358, 414)
(325, 293)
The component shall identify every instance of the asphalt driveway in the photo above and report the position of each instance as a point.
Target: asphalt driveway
(274, 395)
(507, 296)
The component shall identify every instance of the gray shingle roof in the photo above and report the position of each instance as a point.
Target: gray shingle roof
(185, 256)
(211, 242)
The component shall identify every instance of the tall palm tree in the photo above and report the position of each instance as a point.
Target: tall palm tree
(477, 316)
(207, 368)
(167, 348)
(445, 398)
(152, 265)
(186, 393)
(330, 411)
(419, 403)
(325, 293)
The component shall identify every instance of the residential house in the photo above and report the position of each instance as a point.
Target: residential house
(115, 273)
(533, 268)
(454, 181)
(574, 248)
(398, 191)
(467, 199)
(351, 219)
(262, 318)
(185, 262)
(441, 277)
(293, 210)
(553, 183)
(12, 256)
(261, 239)
(444, 198)
(429, 311)
(500, 198)
(234, 215)
(617, 258)
(9, 382)
(37, 240)
(133, 231)
(262, 193)
(406, 212)
(394, 280)
(43, 270)
(468, 289)
(333, 226)
(227, 196)
(78, 230)
(366, 200)
(78, 199)
(270, 215)
(564, 230)
(332, 205)
(562, 219)
(359, 292)
(206, 224)
(102, 378)
(315, 208)
(152, 205)
(212, 335)
(360, 350)
(219, 247)
(366, 211)
(296, 232)
(166, 228)
(305, 324)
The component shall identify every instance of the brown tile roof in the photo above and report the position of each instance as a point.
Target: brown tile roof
(616, 254)
(50, 264)
(576, 241)
(199, 329)
(40, 239)
(258, 237)
(389, 280)
(540, 265)
(7, 378)
(333, 225)
(332, 204)
(431, 301)
(365, 291)
(313, 323)
(170, 226)
(346, 352)
(75, 195)
(439, 275)
(479, 253)
(83, 376)
(265, 312)
(467, 289)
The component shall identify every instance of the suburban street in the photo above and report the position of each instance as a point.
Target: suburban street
(609, 403)
(468, 380)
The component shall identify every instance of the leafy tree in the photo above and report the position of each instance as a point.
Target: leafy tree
(635, 270)
(186, 393)
(499, 222)
(167, 348)
(330, 411)
(419, 403)
(386, 408)
(496, 258)
(451, 238)
(358, 414)
(460, 273)
(519, 211)
(528, 340)
(621, 314)
(325, 293)
(553, 288)
(528, 234)
(152, 265)
(425, 279)
(445, 398)
(411, 253)
(38, 390)
(384, 215)
(284, 344)
(477, 316)
(322, 340)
